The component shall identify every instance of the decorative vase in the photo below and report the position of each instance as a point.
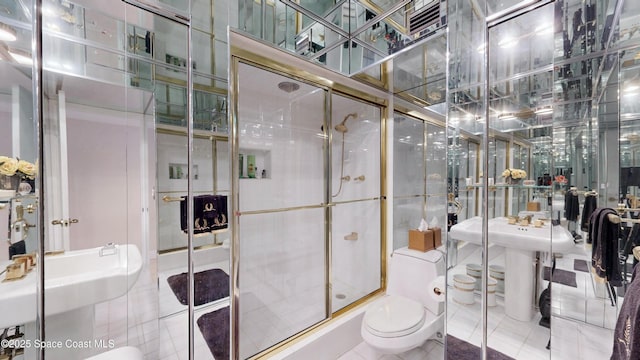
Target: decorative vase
(9, 182)
(511, 181)
(8, 186)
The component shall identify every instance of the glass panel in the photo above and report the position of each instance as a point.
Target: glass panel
(408, 157)
(355, 149)
(360, 56)
(282, 273)
(281, 138)
(336, 58)
(465, 115)
(383, 37)
(429, 85)
(355, 236)
(20, 227)
(521, 56)
(99, 143)
(436, 166)
(409, 185)
(282, 279)
(420, 187)
(495, 6)
(314, 39)
(374, 72)
(319, 8)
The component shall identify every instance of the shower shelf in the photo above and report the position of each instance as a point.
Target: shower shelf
(262, 162)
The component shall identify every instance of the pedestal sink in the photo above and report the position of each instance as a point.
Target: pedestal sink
(73, 280)
(521, 244)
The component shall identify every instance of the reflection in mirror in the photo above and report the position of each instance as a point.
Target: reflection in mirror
(560, 101)
(18, 201)
(519, 77)
(419, 187)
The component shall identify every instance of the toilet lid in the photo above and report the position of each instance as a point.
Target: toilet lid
(394, 316)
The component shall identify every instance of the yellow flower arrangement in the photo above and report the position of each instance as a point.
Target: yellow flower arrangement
(514, 173)
(16, 167)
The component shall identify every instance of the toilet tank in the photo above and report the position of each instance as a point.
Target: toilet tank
(411, 274)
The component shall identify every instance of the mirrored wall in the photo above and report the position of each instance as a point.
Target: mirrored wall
(550, 107)
(419, 182)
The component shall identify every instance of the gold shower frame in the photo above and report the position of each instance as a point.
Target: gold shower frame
(254, 58)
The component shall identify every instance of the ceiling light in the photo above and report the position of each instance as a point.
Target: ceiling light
(21, 56)
(7, 33)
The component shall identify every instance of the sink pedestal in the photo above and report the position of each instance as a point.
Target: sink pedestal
(519, 284)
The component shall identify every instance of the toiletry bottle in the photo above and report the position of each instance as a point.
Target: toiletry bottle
(251, 166)
(264, 173)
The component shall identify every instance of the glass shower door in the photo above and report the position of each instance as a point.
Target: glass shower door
(281, 211)
(355, 187)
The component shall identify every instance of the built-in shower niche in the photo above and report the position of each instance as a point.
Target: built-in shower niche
(255, 163)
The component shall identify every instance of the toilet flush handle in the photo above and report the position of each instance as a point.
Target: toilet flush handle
(437, 291)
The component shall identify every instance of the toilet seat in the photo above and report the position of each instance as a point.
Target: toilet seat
(394, 316)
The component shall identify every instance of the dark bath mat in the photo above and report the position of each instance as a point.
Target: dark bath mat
(560, 276)
(580, 265)
(461, 350)
(209, 285)
(215, 330)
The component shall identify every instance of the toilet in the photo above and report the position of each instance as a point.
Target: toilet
(411, 311)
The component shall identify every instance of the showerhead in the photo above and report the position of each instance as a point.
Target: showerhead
(342, 127)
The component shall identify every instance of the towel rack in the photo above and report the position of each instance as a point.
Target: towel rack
(168, 198)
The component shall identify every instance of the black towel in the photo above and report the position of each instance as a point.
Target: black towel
(571, 206)
(590, 204)
(209, 213)
(626, 337)
(604, 235)
(18, 248)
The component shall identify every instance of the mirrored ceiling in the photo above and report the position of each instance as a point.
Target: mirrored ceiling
(348, 36)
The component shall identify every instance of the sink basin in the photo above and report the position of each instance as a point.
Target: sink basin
(520, 243)
(73, 280)
(514, 236)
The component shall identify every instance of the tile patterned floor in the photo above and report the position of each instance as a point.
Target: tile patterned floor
(581, 328)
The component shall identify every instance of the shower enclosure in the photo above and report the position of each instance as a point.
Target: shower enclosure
(309, 207)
